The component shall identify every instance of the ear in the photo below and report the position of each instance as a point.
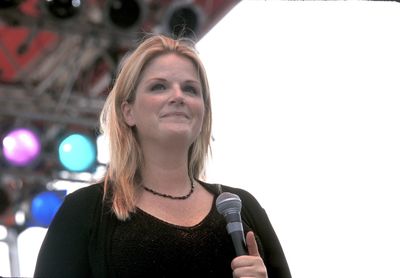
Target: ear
(127, 111)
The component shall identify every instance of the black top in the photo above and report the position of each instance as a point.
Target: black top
(85, 239)
(203, 250)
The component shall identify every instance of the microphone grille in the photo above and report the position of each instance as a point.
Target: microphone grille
(228, 203)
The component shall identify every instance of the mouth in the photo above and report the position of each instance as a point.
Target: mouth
(175, 114)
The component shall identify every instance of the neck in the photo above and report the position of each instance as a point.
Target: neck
(166, 170)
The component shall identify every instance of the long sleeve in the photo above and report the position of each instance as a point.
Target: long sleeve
(64, 252)
(258, 220)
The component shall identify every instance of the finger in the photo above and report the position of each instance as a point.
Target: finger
(242, 272)
(252, 244)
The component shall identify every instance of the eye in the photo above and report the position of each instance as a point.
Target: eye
(158, 87)
(190, 89)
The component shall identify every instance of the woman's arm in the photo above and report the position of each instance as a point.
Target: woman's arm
(64, 251)
(258, 220)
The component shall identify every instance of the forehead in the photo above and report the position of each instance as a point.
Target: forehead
(171, 64)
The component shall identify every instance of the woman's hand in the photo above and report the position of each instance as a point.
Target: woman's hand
(251, 265)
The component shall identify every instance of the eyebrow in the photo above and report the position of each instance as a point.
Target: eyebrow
(193, 81)
(164, 80)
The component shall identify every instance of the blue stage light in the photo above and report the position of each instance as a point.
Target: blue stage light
(44, 207)
(77, 153)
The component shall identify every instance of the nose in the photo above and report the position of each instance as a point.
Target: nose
(177, 96)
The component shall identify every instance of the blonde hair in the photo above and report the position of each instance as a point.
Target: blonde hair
(123, 176)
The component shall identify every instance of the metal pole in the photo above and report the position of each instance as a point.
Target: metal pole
(12, 240)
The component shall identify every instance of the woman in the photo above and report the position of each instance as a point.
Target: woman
(152, 216)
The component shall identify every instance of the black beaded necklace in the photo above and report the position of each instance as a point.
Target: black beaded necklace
(170, 196)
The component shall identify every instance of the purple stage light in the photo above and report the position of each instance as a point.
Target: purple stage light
(21, 146)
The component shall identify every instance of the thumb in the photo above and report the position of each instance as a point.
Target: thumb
(252, 244)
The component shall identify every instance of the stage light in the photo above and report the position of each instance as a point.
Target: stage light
(77, 152)
(183, 19)
(21, 147)
(44, 207)
(5, 4)
(103, 153)
(125, 14)
(20, 217)
(63, 9)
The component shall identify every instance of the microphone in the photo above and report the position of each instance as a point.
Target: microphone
(229, 205)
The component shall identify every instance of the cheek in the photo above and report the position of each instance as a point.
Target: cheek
(202, 109)
(146, 106)
(200, 112)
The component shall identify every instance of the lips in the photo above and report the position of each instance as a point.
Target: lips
(175, 114)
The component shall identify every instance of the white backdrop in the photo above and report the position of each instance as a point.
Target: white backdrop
(306, 102)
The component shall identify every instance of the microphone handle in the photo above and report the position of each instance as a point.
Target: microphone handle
(239, 243)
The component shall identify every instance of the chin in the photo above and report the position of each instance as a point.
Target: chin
(180, 134)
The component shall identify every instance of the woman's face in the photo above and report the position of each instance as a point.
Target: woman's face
(168, 102)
